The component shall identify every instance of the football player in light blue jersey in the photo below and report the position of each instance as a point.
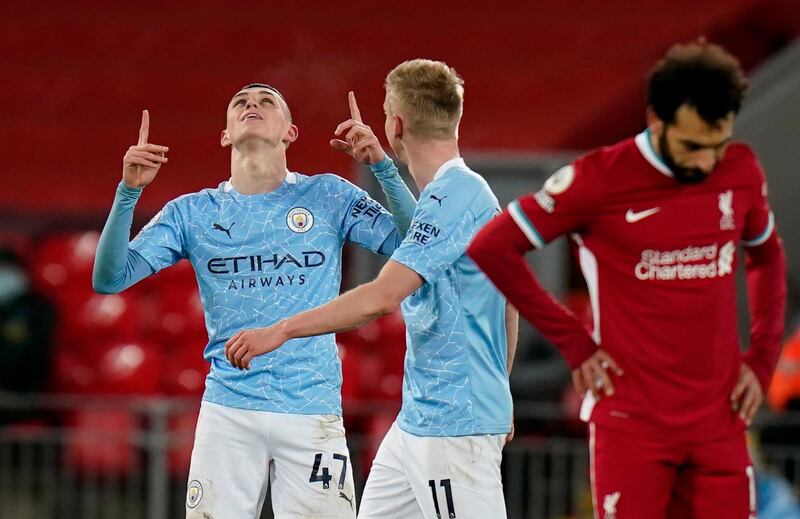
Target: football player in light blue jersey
(442, 456)
(265, 244)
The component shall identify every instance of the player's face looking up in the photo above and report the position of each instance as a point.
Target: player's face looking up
(261, 114)
(690, 146)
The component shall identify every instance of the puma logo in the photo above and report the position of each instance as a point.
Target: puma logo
(218, 227)
(438, 199)
(349, 500)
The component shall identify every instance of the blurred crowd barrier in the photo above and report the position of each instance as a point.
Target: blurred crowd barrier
(99, 396)
(100, 457)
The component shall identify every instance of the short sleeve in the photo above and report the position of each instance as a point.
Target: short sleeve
(444, 224)
(759, 222)
(161, 242)
(568, 201)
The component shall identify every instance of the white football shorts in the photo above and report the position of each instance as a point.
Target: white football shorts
(237, 452)
(415, 477)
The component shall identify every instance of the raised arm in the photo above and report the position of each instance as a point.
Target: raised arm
(116, 266)
(361, 143)
(399, 198)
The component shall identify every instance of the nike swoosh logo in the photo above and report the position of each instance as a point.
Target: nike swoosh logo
(633, 217)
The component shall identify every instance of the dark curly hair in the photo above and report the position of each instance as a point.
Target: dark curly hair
(699, 74)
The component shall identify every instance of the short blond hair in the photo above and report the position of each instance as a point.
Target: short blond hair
(430, 94)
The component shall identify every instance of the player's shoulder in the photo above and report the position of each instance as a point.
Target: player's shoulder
(459, 188)
(197, 198)
(322, 179)
(607, 158)
(604, 169)
(738, 150)
(461, 179)
(742, 161)
(329, 182)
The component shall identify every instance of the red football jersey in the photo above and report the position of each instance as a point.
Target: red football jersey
(658, 257)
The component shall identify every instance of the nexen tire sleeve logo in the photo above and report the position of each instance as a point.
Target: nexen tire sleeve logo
(422, 232)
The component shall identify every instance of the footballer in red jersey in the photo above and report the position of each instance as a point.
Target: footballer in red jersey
(656, 221)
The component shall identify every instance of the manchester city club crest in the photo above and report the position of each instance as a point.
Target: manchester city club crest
(194, 494)
(300, 220)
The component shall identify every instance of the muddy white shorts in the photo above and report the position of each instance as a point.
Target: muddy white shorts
(415, 477)
(237, 452)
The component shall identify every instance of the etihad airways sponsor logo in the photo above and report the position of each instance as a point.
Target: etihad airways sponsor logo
(259, 263)
(704, 262)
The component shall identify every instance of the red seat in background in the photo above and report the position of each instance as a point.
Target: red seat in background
(380, 349)
(179, 454)
(72, 372)
(64, 260)
(101, 441)
(86, 317)
(184, 370)
(173, 315)
(129, 367)
(350, 357)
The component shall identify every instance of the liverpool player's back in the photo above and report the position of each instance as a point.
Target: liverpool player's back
(659, 258)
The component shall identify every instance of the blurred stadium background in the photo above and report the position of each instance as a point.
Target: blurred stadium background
(99, 394)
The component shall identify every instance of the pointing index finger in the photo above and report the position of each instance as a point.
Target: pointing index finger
(144, 129)
(355, 113)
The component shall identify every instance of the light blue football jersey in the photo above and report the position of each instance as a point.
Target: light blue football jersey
(455, 381)
(262, 258)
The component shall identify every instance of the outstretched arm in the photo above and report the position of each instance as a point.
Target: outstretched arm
(350, 310)
(116, 267)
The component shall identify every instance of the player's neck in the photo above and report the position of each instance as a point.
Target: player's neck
(426, 157)
(654, 144)
(259, 170)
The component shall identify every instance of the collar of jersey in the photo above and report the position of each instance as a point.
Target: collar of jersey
(649, 153)
(452, 163)
(227, 187)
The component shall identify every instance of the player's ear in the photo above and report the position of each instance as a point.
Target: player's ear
(225, 138)
(398, 126)
(292, 133)
(654, 123)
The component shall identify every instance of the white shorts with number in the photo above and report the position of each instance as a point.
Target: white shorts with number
(237, 452)
(415, 477)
